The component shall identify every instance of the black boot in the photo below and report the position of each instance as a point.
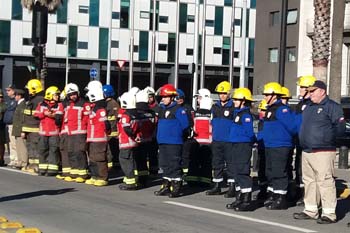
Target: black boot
(216, 190)
(246, 202)
(231, 190)
(262, 195)
(237, 202)
(175, 189)
(164, 189)
(270, 197)
(280, 203)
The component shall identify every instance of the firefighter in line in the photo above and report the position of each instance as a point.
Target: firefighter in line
(128, 140)
(48, 145)
(199, 170)
(304, 100)
(112, 113)
(222, 116)
(76, 118)
(30, 129)
(98, 128)
(242, 138)
(173, 124)
(147, 124)
(277, 133)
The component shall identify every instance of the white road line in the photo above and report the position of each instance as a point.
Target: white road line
(240, 217)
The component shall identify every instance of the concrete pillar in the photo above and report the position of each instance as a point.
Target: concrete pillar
(7, 72)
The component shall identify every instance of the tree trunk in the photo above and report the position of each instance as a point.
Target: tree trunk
(321, 38)
(336, 50)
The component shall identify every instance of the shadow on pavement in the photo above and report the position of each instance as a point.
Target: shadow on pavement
(36, 194)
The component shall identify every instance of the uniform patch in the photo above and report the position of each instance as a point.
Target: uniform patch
(319, 110)
(237, 119)
(102, 114)
(284, 110)
(123, 120)
(269, 114)
(183, 112)
(247, 120)
(303, 107)
(226, 113)
(88, 108)
(167, 114)
(341, 119)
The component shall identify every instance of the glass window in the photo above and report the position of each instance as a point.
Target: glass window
(5, 35)
(183, 17)
(225, 57)
(136, 48)
(292, 17)
(62, 13)
(237, 22)
(84, 9)
(103, 43)
(171, 47)
(252, 3)
(291, 53)
(61, 40)
(226, 43)
(125, 3)
(27, 41)
(219, 11)
(115, 15)
(209, 23)
(162, 47)
(17, 10)
(114, 44)
(163, 19)
(82, 45)
(228, 3)
(124, 17)
(273, 55)
(236, 54)
(251, 52)
(73, 39)
(143, 53)
(94, 12)
(190, 18)
(217, 50)
(144, 15)
(189, 52)
(274, 18)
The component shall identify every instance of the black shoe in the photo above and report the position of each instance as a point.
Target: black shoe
(128, 187)
(246, 204)
(302, 216)
(325, 220)
(280, 203)
(2, 163)
(175, 189)
(164, 189)
(237, 202)
(216, 190)
(231, 190)
(270, 198)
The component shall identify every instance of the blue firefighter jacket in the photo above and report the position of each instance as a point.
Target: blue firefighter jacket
(222, 121)
(242, 129)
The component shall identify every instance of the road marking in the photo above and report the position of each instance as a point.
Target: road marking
(240, 217)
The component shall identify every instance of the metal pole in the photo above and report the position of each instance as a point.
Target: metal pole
(153, 52)
(131, 62)
(283, 37)
(202, 80)
(119, 82)
(195, 51)
(108, 78)
(176, 70)
(232, 40)
(67, 52)
(243, 42)
(348, 70)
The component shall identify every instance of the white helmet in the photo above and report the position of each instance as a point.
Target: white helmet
(206, 103)
(71, 88)
(94, 91)
(127, 101)
(142, 97)
(203, 92)
(149, 91)
(134, 90)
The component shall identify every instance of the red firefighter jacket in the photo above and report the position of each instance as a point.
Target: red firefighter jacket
(76, 117)
(202, 126)
(47, 126)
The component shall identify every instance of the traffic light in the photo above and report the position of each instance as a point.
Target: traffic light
(37, 52)
(39, 24)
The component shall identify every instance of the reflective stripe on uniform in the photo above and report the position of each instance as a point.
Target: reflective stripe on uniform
(129, 180)
(53, 167)
(30, 129)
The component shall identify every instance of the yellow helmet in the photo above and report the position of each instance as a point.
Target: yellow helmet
(50, 92)
(285, 93)
(223, 87)
(34, 86)
(306, 81)
(272, 88)
(263, 105)
(242, 93)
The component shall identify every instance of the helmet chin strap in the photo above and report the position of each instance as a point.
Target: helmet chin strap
(268, 102)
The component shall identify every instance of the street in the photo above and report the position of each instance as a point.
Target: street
(56, 206)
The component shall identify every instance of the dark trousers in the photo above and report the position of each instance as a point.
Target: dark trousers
(141, 153)
(298, 165)
(64, 154)
(200, 169)
(32, 147)
(48, 154)
(128, 164)
(242, 153)
(113, 151)
(187, 149)
(276, 168)
(77, 155)
(170, 157)
(262, 167)
(98, 160)
(221, 155)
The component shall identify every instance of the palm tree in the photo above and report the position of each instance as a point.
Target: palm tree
(321, 38)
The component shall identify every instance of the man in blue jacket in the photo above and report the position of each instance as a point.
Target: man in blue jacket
(323, 120)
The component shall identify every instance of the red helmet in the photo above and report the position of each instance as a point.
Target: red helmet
(168, 90)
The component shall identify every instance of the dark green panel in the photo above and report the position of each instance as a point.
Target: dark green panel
(62, 13)
(5, 35)
(219, 14)
(124, 17)
(103, 43)
(94, 12)
(125, 3)
(228, 3)
(171, 47)
(251, 52)
(252, 3)
(143, 43)
(17, 10)
(73, 39)
(247, 25)
(183, 17)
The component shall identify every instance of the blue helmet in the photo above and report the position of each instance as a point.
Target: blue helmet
(108, 91)
(180, 93)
